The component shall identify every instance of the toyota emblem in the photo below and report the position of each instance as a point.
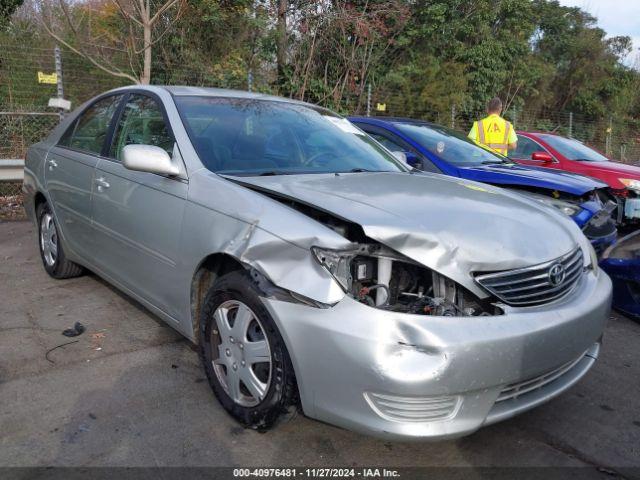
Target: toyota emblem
(557, 274)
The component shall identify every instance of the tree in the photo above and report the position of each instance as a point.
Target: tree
(281, 47)
(337, 45)
(112, 33)
(7, 7)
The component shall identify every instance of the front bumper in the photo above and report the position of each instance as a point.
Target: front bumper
(406, 376)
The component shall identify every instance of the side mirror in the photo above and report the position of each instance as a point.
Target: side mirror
(148, 158)
(413, 160)
(543, 157)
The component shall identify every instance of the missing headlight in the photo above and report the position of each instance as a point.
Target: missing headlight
(381, 278)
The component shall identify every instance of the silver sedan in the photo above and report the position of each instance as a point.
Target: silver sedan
(312, 268)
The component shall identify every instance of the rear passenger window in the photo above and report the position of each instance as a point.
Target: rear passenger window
(90, 130)
(141, 123)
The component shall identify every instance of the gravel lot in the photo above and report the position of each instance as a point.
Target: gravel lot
(131, 392)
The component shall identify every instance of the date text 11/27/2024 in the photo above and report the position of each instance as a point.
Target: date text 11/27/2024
(316, 472)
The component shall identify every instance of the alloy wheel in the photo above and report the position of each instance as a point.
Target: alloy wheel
(48, 239)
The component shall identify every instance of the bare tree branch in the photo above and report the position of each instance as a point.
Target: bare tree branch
(110, 71)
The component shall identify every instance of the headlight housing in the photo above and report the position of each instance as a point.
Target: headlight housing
(568, 208)
(565, 207)
(337, 263)
(593, 259)
(631, 184)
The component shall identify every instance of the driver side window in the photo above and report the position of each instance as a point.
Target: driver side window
(141, 123)
(390, 145)
(525, 148)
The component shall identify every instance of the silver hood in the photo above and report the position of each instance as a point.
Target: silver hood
(453, 226)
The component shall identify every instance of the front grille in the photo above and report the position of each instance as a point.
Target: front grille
(413, 409)
(521, 388)
(537, 284)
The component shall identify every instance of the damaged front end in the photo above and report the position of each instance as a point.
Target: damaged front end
(622, 264)
(380, 277)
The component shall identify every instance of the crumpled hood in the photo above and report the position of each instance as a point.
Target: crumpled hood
(450, 225)
(513, 174)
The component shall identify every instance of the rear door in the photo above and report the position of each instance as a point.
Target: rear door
(70, 169)
(138, 215)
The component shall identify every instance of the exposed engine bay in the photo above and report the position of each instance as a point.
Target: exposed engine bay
(382, 278)
(379, 277)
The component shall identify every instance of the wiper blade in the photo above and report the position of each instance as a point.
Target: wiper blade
(490, 162)
(360, 170)
(271, 173)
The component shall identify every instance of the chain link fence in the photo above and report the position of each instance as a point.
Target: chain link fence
(619, 139)
(18, 130)
(26, 119)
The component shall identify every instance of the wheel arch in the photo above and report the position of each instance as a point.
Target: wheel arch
(38, 199)
(208, 271)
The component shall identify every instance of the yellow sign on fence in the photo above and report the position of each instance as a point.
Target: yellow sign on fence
(381, 107)
(47, 78)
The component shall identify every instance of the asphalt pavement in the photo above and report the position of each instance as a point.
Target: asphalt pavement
(130, 391)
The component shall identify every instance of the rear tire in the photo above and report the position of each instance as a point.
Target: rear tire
(243, 354)
(52, 253)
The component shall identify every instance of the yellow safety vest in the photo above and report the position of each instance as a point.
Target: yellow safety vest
(493, 131)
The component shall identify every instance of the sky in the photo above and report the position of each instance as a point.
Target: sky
(616, 17)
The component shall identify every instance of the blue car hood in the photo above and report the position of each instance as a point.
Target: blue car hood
(513, 174)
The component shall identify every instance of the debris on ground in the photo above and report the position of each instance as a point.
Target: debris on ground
(62, 345)
(96, 340)
(11, 208)
(78, 329)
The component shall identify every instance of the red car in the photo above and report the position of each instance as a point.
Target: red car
(553, 151)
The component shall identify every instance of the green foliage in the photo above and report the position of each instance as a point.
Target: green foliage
(421, 57)
(7, 7)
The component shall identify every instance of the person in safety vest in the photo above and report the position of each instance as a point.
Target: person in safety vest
(494, 131)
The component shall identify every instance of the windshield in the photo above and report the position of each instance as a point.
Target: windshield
(239, 136)
(451, 146)
(573, 149)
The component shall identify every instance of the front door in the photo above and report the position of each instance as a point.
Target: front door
(138, 215)
(69, 174)
(527, 147)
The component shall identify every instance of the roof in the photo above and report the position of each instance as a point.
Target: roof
(395, 120)
(536, 132)
(185, 91)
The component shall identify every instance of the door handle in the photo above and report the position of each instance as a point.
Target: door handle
(52, 164)
(102, 184)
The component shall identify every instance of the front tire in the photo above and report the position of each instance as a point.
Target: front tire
(52, 253)
(243, 354)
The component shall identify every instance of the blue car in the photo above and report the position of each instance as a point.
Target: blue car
(622, 264)
(434, 148)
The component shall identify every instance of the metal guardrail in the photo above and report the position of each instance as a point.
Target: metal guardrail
(11, 170)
